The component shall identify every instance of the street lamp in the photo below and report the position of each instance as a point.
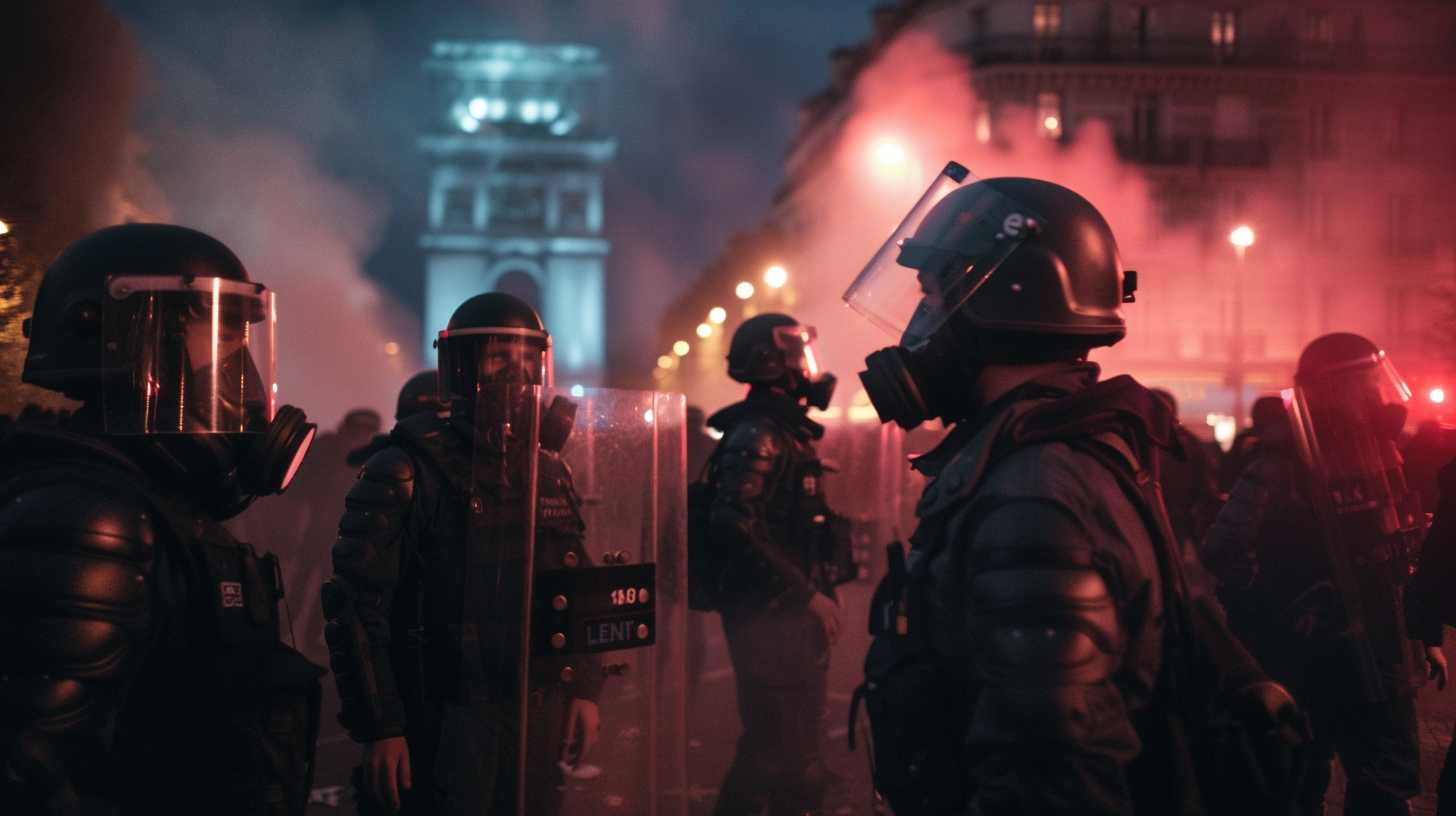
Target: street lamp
(775, 276)
(717, 315)
(705, 331)
(4, 227)
(744, 290)
(681, 348)
(889, 153)
(1242, 237)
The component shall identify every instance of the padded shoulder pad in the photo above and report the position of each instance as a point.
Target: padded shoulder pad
(387, 478)
(1042, 609)
(755, 439)
(74, 563)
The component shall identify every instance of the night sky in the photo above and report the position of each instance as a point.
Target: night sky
(704, 97)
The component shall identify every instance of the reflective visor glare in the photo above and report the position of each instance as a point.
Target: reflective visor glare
(188, 355)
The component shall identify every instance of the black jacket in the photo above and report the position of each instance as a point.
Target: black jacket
(1045, 590)
(399, 596)
(769, 510)
(141, 662)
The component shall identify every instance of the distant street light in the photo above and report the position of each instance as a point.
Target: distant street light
(889, 153)
(1242, 237)
(717, 315)
(744, 290)
(4, 227)
(665, 361)
(705, 331)
(681, 348)
(775, 276)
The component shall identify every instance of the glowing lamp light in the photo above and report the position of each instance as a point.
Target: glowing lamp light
(705, 331)
(469, 123)
(550, 109)
(681, 348)
(391, 348)
(479, 107)
(578, 390)
(648, 416)
(665, 361)
(1437, 395)
(1242, 236)
(744, 290)
(530, 111)
(1052, 124)
(717, 315)
(775, 276)
(889, 153)
(4, 227)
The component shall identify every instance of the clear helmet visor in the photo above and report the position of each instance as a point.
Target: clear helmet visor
(1347, 422)
(797, 345)
(938, 257)
(471, 359)
(188, 355)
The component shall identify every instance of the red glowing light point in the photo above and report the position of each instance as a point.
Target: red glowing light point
(1437, 395)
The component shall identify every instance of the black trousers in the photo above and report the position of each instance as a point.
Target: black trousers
(781, 665)
(1379, 748)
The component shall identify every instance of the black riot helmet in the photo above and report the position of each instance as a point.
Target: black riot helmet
(776, 350)
(492, 338)
(160, 330)
(1003, 270)
(419, 394)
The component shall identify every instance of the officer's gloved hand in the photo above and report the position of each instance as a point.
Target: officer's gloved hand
(1261, 734)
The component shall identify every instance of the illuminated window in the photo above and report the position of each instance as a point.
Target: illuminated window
(1046, 19)
(517, 206)
(571, 206)
(1049, 114)
(459, 211)
(1224, 32)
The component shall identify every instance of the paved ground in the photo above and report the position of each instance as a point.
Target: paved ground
(713, 728)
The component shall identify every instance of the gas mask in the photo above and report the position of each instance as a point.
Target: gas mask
(818, 392)
(913, 382)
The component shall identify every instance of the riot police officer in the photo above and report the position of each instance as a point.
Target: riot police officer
(141, 665)
(770, 519)
(1320, 532)
(418, 605)
(419, 394)
(1023, 661)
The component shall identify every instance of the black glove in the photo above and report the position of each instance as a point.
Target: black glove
(1260, 735)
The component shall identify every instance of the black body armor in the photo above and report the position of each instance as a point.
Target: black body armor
(140, 663)
(403, 618)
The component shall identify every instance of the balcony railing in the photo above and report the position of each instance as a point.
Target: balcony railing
(1271, 52)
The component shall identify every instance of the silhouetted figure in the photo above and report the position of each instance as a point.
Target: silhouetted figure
(1267, 418)
(1190, 480)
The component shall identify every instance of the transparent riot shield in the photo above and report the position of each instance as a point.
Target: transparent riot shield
(609, 608)
(481, 762)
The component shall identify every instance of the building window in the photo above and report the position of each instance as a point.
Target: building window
(571, 210)
(1046, 19)
(978, 23)
(517, 206)
(983, 125)
(1142, 24)
(1319, 28)
(1322, 130)
(1395, 134)
(1049, 114)
(459, 211)
(1147, 117)
(1224, 32)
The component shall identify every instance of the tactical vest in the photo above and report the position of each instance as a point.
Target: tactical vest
(223, 715)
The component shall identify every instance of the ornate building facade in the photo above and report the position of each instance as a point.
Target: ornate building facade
(516, 150)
